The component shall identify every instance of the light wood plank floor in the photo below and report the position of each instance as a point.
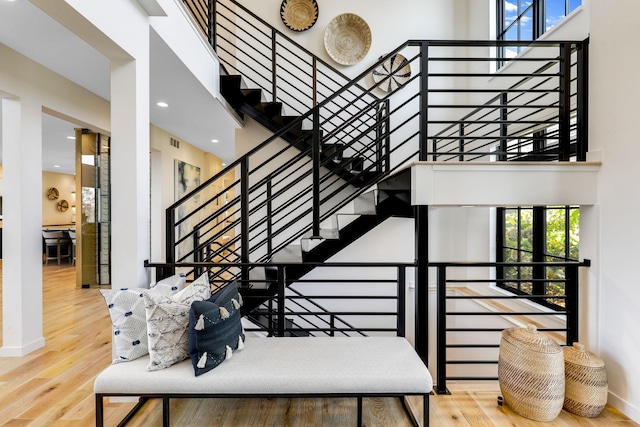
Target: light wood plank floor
(53, 386)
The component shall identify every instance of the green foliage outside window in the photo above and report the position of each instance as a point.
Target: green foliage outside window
(561, 233)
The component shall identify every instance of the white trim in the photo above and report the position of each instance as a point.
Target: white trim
(23, 350)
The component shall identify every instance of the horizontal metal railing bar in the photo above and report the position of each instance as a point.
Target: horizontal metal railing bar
(489, 59)
(374, 297)
(505, 313)
(527, 296)
(342, 313)
(495, 138)
(364, 329)
(492, 75)
(472, 362)
(279, 264)
(499, 329)
(472, 90)
(584, 263)
(472, 378)
(473, 345)
(347, 280)
(503, 280)
(481, 106)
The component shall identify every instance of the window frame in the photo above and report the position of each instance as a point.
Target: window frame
(539, 27)
(538, 275)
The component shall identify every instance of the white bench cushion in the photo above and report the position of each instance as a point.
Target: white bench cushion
(304, 365)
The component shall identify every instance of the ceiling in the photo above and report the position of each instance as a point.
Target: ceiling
(193, 115)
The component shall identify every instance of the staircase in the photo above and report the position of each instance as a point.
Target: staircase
(328, 174)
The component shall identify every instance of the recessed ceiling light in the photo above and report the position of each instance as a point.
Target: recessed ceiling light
(224, 164)
(162, 104)
(56, 166)
(215, 141)
(71, 137)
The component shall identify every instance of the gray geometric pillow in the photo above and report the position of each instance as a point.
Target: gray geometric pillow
(127, 311)
(168, 321)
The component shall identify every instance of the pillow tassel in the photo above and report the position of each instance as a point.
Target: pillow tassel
(240, 300)
(203, 361)
(228, 353)
(240, 342)
(224, 314)
(200, 324)
(236, 304)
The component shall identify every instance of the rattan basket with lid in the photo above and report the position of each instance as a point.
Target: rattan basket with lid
(531, 373)
(586, 385)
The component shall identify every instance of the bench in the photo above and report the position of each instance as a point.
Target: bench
(354, 367)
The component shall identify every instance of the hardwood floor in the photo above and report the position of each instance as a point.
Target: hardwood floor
(53, 386)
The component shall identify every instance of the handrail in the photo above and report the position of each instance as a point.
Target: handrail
(327, 327)
(445, 358)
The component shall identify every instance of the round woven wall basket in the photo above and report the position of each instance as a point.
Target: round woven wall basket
(531, 373)
(392, 73)
(586, 385)
(299, 15)
(347, 39)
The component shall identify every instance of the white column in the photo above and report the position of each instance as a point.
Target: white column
(22, 227)
(130, 170)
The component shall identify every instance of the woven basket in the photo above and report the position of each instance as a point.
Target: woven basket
(299, 15)
(586, 382)
(347, 39)
(392, 73)
(531, 373)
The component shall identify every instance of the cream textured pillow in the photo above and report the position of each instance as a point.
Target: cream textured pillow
(171, 284)
(168, 322)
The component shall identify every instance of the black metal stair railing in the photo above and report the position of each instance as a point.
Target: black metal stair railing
(472, 313)
(282, 191)
(291, 311)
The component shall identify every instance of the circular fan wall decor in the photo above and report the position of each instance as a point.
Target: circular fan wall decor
(347, 39)
(53, 193)
(63, 205)
(299, 15)
(392, 73)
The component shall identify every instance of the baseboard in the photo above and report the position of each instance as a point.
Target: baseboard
(7, 351)
(630, 410)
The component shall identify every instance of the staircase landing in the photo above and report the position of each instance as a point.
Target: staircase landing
(502, 183)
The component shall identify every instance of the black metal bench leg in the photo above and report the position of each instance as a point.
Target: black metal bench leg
(165, 411)
(425, 410)
(359, 411)
(99, 410)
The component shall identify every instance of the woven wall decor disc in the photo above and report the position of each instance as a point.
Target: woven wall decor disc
(299, 15)
(392, 73)
(347, 39)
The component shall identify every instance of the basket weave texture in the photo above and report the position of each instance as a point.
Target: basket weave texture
(531, 373)
(299, 15)
(347, 39)
(586, 386)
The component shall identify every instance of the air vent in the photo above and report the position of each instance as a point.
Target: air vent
(175, 143)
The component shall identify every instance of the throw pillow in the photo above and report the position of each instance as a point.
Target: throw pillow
(168, 320)
(127, 310)
(174, 283)
(215, 329)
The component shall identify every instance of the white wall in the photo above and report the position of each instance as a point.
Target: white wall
(614, 90)
(27, 89)
(391, 24)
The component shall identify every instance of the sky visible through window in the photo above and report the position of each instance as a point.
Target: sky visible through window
(520, 13)
(555, 11)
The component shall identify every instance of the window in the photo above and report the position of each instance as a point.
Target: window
(537, 234)
(523, 20)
